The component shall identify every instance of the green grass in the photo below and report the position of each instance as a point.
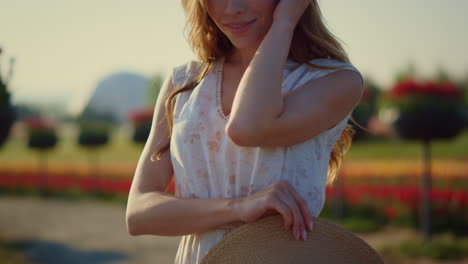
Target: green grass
(441, 247)
(376, 148)
(122, 150)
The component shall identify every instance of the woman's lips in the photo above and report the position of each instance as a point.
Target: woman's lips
(239, 30)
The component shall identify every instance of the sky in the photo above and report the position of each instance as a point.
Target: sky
(63, 48)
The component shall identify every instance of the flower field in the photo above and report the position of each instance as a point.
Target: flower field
(385, 192)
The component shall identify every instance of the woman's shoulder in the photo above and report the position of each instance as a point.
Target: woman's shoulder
(342, 66)
(336, 65)
(322, 66)
(304, 72)
(183, 73)
(328, 62)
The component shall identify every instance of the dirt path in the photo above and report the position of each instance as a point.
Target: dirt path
(54, 231)
(57, 231)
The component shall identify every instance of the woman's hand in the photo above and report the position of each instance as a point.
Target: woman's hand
(279, 197)
(290, 11)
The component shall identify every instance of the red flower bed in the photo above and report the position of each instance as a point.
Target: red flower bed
(394, 203)
(409, 86)
(59, 182)
(408, 195)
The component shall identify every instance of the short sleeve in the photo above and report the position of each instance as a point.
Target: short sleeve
(334, 63)
(306, 73)
(183, 74)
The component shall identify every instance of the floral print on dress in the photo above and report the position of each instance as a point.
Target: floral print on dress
(318, 151)
(201, 179)
(177, 191)
(263, 170)
(251, 189)
(218, 135)
(244, 191)
(194, 195)
(232, 179)
(202, 174)
(301, 172)
(201, 126)
(189, 138)
(213, 145)
(242, 164)
(314, 197)
(206, 98)
(244, 188)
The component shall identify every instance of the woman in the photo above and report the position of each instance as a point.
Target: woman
(257, 126)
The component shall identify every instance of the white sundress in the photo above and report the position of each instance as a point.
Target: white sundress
(207, 164)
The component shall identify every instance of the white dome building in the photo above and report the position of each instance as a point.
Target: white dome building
(117, 94)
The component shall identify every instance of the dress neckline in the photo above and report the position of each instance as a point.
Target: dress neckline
(219, 78)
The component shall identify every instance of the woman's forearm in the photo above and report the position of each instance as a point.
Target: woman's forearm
(162, 214)
(258, 99)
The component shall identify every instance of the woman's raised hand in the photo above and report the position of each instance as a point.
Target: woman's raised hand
(279, 197)
(290, 11)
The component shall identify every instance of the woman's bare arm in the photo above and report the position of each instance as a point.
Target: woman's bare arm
(150, 210)
(162, 214)
(258, 100)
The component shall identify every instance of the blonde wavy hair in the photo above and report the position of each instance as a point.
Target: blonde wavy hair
(311, 40)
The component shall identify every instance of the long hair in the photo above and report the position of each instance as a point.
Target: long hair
(311, 40)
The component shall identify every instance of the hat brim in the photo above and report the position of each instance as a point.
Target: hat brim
(266, 241)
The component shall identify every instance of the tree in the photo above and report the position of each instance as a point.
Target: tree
(366, 108)
(42, 137)
(92, 136)
(141, 120)
(7, 111)
(154, 89)
(428, 110)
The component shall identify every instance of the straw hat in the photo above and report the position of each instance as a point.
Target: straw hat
(266, 241)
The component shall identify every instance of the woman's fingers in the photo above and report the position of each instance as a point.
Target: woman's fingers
(298, 224)
(305, 211)
(284, 210)
(283, 198)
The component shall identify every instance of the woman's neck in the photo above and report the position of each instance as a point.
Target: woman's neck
(241, 58)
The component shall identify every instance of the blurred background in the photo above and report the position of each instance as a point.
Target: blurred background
(78, 85)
